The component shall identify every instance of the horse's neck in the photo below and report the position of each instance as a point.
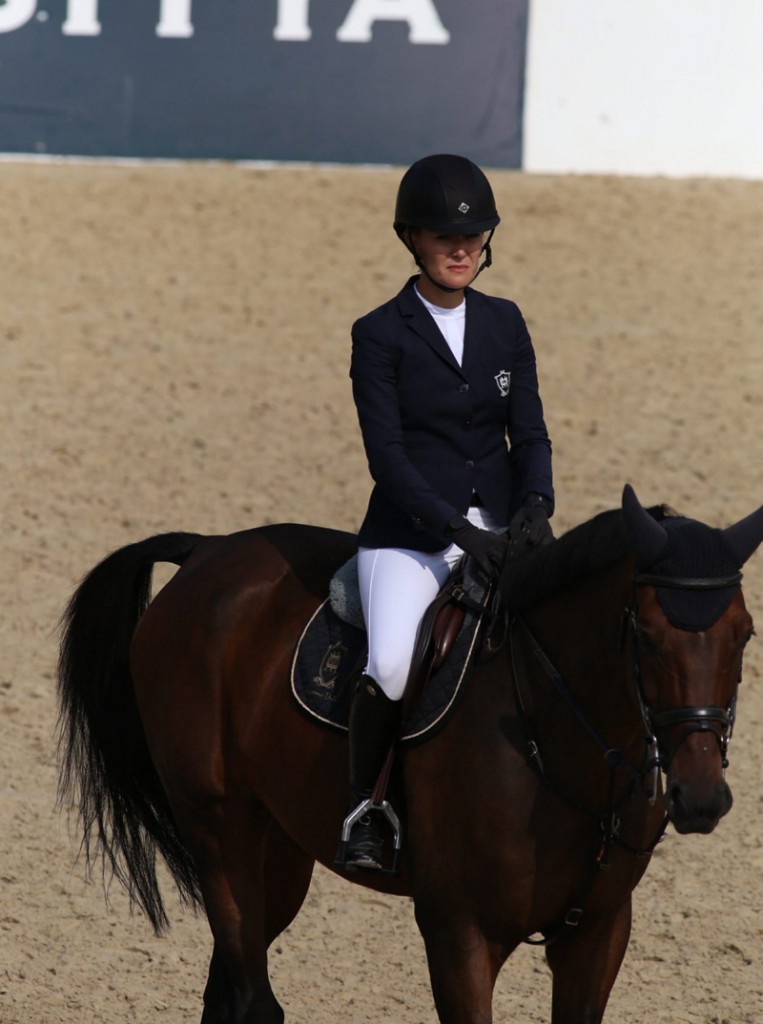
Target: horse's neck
(581, 633)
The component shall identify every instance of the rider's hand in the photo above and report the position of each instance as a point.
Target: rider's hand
(489, 549)
(529, 526)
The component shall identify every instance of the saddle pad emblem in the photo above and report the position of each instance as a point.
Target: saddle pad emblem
(330, 665)
(503, 380)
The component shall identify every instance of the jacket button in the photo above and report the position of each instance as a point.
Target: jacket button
(469, 464)
(464, 388)
(467, 424)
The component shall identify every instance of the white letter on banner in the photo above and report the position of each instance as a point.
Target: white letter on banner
(15, 13)
(424, 24)
(81, 18)
(292, 24)
(175, 20)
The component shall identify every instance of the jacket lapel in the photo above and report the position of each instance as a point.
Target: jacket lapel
(418, 319)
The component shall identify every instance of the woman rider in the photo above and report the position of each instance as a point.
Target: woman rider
(443, 376)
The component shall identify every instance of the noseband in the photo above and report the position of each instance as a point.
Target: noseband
(697, 718)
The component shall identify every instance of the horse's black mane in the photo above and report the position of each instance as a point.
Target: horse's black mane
(541, 572)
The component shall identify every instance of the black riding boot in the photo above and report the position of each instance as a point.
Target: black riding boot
(374, 720)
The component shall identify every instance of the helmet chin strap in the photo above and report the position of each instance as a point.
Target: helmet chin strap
(407, 241)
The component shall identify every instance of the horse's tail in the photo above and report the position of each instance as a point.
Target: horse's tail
(104, 758)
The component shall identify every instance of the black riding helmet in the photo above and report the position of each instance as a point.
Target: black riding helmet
(445, 193)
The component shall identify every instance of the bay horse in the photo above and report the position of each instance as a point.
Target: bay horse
(531, 815)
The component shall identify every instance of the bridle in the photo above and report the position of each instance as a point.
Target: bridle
(696, 717)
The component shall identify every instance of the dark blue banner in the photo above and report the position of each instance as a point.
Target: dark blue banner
(351, 81)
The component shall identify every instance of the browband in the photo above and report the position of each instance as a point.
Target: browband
(675, 583)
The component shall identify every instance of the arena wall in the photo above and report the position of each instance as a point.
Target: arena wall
(546, 85)
(347, 81)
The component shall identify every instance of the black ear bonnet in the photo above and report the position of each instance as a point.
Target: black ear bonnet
(694, 551)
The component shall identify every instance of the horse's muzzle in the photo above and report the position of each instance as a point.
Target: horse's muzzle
(693, 810)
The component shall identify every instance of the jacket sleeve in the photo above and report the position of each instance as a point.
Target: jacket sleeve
(373, 371)
(530, 447)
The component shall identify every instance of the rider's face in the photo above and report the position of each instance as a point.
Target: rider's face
(450, 260)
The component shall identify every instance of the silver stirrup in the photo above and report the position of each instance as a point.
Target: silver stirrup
(387, 811)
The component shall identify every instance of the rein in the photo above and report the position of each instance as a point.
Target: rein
(699, 718)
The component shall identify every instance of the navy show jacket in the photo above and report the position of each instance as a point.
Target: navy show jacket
(436, 432)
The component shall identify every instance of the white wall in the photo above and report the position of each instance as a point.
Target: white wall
(669, 87)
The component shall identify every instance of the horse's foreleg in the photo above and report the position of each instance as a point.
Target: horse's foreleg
(584, 964)
(463, 967)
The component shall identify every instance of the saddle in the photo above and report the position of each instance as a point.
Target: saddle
(436, 637)
(331, 652)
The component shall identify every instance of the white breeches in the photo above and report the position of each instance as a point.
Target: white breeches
(397, 586)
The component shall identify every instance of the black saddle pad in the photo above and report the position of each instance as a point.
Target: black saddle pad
(330, 653)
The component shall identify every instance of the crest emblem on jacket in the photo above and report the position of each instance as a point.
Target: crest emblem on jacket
(503, 380)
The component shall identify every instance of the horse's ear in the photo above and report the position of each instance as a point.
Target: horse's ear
(744, 537)
(647, 538)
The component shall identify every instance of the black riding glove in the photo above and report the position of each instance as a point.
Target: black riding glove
(489, 549)
(529, 526)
